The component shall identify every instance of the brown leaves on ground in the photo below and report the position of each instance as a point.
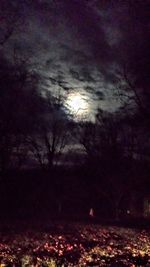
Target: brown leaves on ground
(81, 245)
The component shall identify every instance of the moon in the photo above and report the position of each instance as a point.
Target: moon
(76, 104)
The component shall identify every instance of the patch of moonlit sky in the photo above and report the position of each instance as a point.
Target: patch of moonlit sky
(79, 44)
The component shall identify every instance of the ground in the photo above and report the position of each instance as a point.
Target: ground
(73, 244)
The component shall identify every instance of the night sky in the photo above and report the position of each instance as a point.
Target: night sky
(79, 47)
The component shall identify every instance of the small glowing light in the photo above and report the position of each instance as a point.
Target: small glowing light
(76, 104)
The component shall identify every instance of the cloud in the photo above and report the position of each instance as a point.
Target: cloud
(80, 44)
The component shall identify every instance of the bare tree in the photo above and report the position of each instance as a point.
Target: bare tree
(134, 97)
(101, 139)
(19, 104)
(52, 133)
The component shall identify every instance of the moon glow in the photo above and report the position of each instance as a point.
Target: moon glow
(76, 104)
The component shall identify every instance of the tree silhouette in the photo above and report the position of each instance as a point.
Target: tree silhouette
(52, 132)
(19, 104)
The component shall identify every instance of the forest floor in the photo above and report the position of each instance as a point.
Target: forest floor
(64, 244)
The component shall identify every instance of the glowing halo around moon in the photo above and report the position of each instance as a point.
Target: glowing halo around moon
(77, 105)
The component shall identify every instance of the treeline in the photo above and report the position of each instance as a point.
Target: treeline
(34, 124)
(34, 127)
(114, 176)
(33, 120)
